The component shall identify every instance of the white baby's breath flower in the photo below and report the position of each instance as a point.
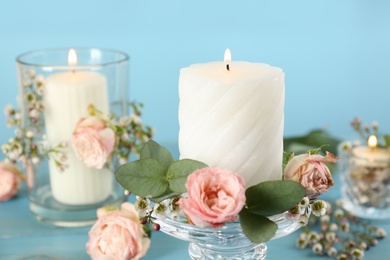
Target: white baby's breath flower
(333, 227)
(380, 233)
(30, 73)
(338, 213)
(18, 115)
(301, 243)
(122, 160)
(303, 204)
(344, 227)
(342, 257)
(303, 220)
(330, 237)
(317, 249)
(26, 83)
(39, 81)
(319, 208)
(124, 121)
(142, 207)
(33, 113)
(35, 160)
(29, 134)
(135, 119)
(357, 253)
(40, 91)
(18, 132)
(325, 219)
(160, 210)
(332, 252)
(363, 245)
(124, 137)
(8, 110)
(313, 237)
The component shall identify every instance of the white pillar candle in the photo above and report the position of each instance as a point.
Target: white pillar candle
(66, 99)
(233, 118)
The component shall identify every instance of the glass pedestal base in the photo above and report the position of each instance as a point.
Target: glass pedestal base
(258, 252)
(46, 209)
(227, 242)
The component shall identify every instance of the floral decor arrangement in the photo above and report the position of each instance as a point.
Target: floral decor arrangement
(209, 197)
(339, 234)
(97, 139)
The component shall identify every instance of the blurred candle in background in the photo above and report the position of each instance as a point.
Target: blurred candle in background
(66, 99)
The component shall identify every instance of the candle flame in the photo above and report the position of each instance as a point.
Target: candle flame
(228, 56)
(72, 57)
(372, 141)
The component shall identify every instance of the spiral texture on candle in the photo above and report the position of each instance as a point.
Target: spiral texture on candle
(233, 119)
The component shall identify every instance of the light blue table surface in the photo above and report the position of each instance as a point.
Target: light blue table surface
(23, 237)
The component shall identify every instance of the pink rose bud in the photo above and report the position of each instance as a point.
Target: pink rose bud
(10, 180)
(118, 235)
(93, 141)
(215, 196)
(311, 172)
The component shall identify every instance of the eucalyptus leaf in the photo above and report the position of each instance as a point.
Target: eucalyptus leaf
(153, 150)
(145, 178)
(274, 197)
(178, 172)
(166, 195)
(257, 228)
(387, 140)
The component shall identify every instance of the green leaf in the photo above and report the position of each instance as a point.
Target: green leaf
(257, 228)
(387, 140)
(274, 197)
(144, 178)
(179, 171)
(166, 195)
(153, 150)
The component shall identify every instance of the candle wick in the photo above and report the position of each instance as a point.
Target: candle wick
(228, 67)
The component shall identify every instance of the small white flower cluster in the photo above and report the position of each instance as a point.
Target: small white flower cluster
(25, 148)
(133, 134)
(340, 234)
(303, 210)
(159, 210)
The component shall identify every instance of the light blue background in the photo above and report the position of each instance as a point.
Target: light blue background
(335, 53)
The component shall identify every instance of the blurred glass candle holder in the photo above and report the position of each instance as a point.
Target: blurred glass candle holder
(56, 86)
(366, 182)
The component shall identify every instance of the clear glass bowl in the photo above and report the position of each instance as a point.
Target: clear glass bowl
(227, 242)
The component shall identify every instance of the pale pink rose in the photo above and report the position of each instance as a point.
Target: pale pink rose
(215, 196)
(311, 172)
(10, 180)
(118, 235)
(93, 142)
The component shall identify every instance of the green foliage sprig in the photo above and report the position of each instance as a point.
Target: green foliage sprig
(157, 177)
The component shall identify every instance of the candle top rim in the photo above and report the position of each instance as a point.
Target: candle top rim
(238, 70)
(57, 58)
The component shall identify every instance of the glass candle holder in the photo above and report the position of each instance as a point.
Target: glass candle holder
(59, 87)
(366, 183)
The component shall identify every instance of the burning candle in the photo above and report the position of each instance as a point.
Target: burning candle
(66, 99)
(231, 115)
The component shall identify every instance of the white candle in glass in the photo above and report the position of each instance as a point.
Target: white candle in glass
(231, 114)
(66, 99)
(371, 155)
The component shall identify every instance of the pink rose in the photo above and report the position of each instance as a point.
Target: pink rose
(118, 235)
(10, 180)
(311, 172)
(93, 141)
(215, 196)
